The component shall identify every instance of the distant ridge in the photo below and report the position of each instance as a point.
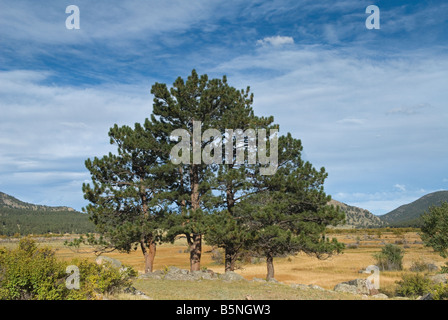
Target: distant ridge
(7, 201)
(357, 217)
(18, 217)
(408, 215)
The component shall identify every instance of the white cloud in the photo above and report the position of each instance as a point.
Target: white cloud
(400, 187)
(351, 121)
(410, 109)
(48, 131)
(275, 41)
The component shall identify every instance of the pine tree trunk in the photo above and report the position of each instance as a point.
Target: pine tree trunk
(270, 266)
(196, 238)
(229, 259)
(149, 252)
(195, 252)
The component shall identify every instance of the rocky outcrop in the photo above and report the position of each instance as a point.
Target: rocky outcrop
(174, 273)
(439, 278)
(357, 286)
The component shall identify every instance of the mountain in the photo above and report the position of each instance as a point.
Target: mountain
(409, 214)
(358, 218)
(18, 217)
(7, 201)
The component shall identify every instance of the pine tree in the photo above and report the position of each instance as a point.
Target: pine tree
(126, 203)
(234, 180)
(289, 213)
(203, 101)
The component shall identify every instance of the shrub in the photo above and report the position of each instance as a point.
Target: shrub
(390, 258)
(353, 246)
(444, 269)
(440, 291)
(32, 273)
(422, 266)
(413, 285)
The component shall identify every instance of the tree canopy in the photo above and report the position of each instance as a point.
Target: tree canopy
(205, 166)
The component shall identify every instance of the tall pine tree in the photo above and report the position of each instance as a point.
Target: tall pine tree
(194, 105)
(289, 213)
(126, 203)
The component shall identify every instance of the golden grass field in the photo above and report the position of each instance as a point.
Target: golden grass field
(301, 268)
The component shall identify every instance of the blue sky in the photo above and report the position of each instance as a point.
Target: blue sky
(369, 105)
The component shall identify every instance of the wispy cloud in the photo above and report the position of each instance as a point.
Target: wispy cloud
(275, 41)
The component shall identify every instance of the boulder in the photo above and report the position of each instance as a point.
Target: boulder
(427, 296)
(158, 275)
(344, 287)
(357, 286)
(316, 287)
(231, 276)
(299, 286)
(100, 260)
(204, 275)
(380, 296)
(439, 278)
(176, 270)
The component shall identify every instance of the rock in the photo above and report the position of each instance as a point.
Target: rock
(258, 280)
(299, 286)
(344, 287)
(316, 287)
(439, 278)
(176, 270)
(100, 260)
(427, 296)
(158, 275)
(380, 296)
(231, 276)
(273, 280)
(357, 286)
(204, 275)
(135, 292)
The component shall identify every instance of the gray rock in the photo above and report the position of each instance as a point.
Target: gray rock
(299, 286)
(427, 296)
(316, 287)
(258, 280)
(361, 285)
(380, 296)
(176, 270)
(204, 275)
(179, 276)
(347, 288)
(100, 260)
(231, 276)
(357, 286)
(439, 278)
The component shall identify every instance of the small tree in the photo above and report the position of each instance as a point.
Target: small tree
(390, 258)
(289, 214)
(434, 231)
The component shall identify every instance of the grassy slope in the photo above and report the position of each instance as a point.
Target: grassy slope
(408, 214)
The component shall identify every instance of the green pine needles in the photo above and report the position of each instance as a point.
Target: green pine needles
(138, 197)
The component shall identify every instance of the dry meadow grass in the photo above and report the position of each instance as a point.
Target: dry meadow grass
(301, 268)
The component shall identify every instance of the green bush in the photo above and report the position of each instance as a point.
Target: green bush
(390, 258)
(422, 266)
(32, 273)
(413, 285)
(440, 291)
